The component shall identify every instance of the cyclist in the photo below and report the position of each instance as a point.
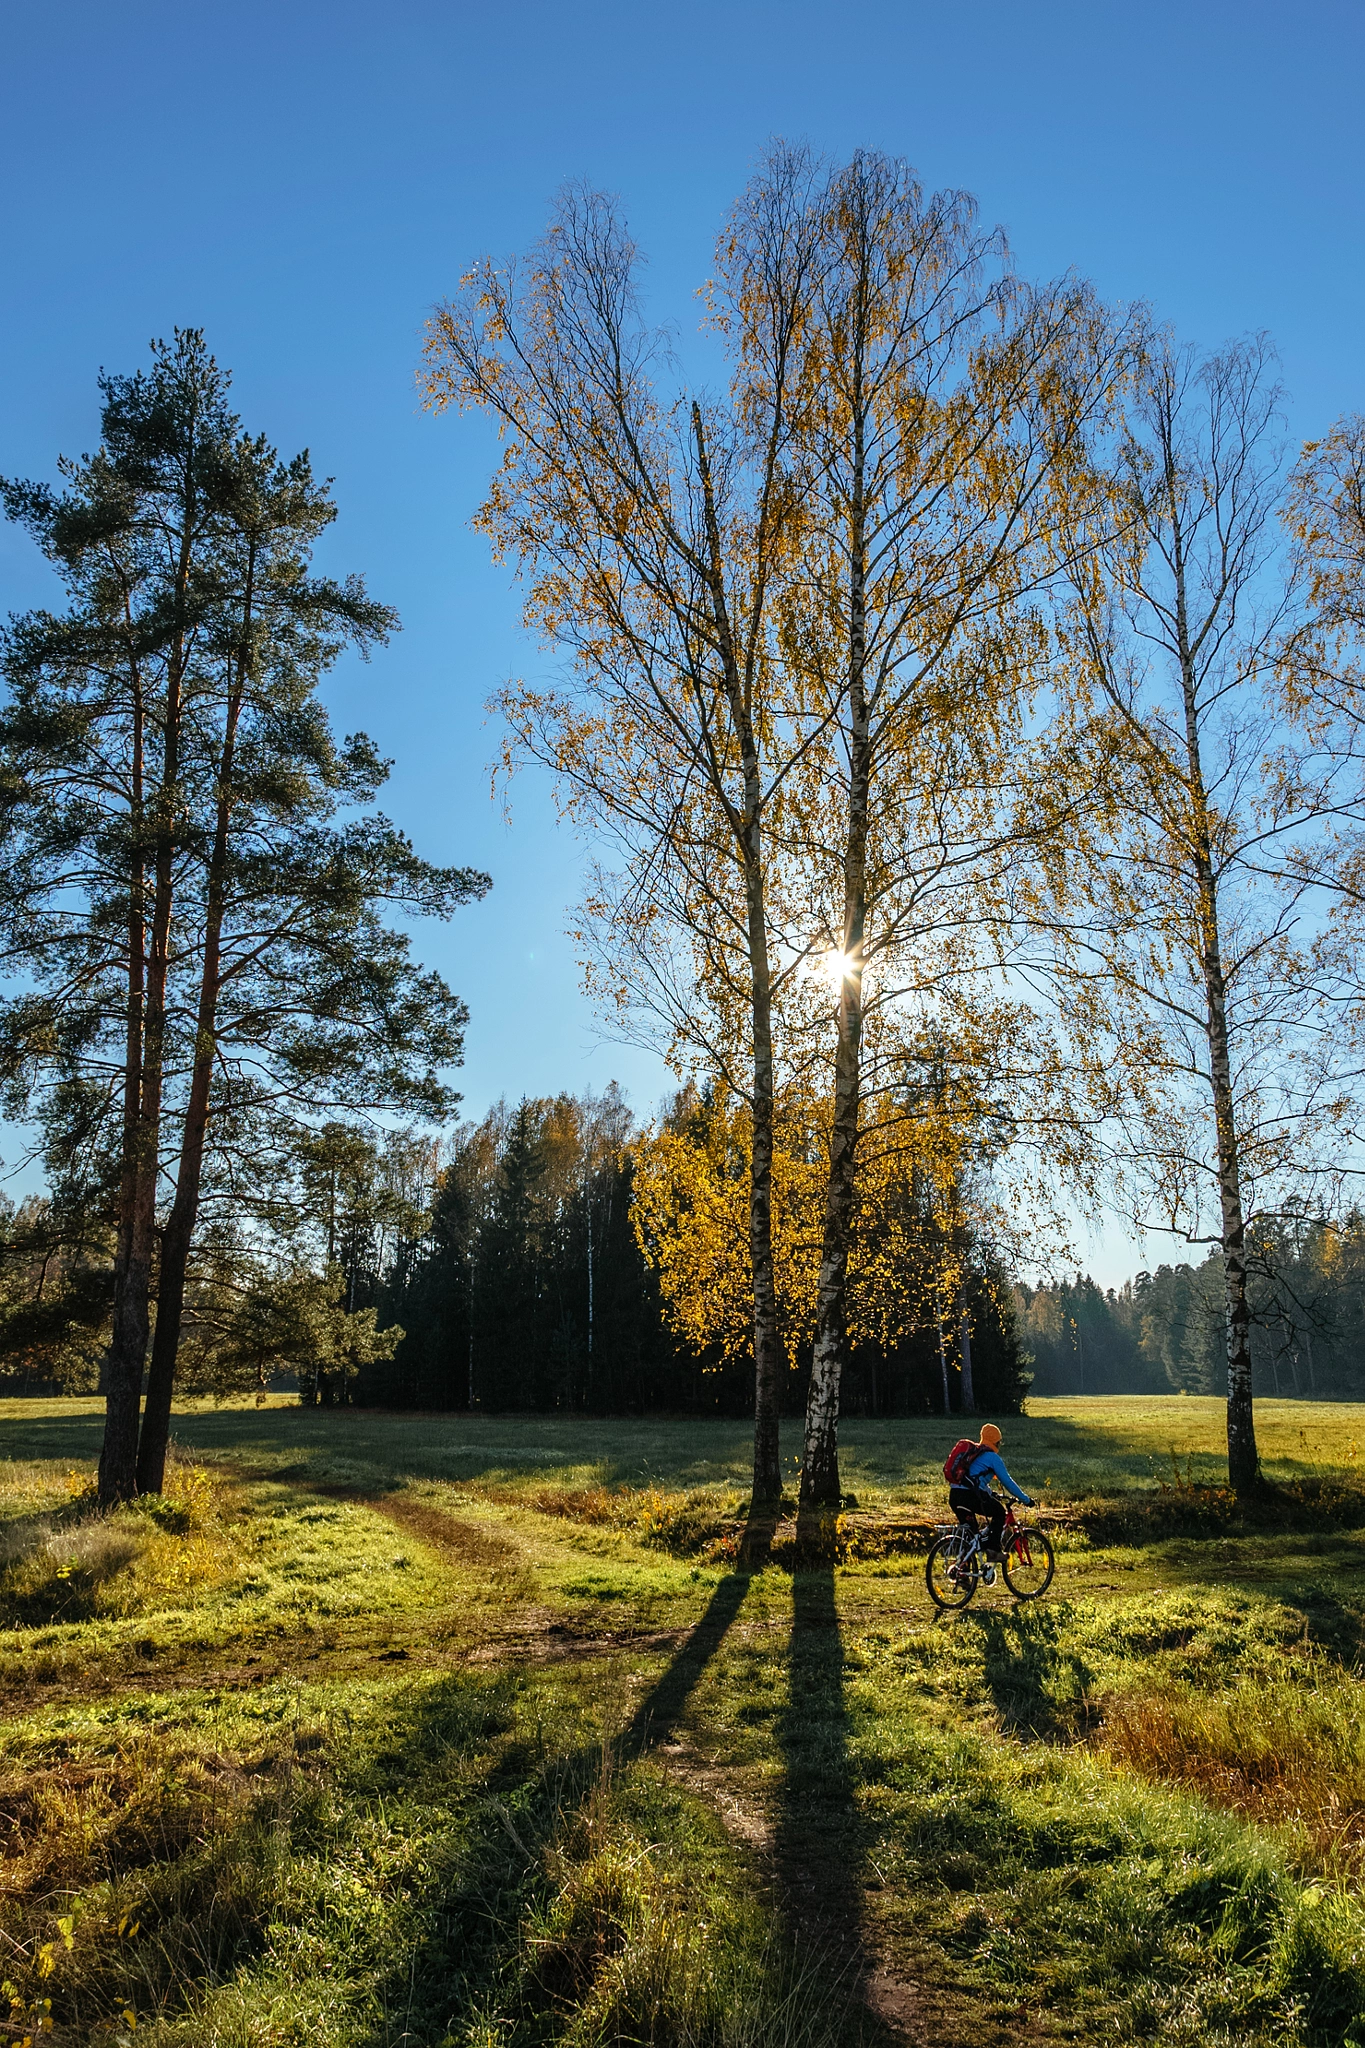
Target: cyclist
(970, 1469)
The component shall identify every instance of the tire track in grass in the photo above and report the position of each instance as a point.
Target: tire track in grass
(437, 1637)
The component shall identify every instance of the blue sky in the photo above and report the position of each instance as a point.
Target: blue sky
(305, 180)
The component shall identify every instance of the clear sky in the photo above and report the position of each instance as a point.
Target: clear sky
(304, 179)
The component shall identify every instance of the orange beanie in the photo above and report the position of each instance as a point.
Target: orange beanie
(990, 1436)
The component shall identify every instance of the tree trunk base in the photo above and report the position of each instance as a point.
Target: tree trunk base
(756, 1544)
(817, 1532)
(118, 1453)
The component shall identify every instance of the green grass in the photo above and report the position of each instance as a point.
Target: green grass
(425, 1860)
(1079, 1446)
(430, 1731)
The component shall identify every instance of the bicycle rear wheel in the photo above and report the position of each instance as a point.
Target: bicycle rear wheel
(1029, 1564)
(945, 1590)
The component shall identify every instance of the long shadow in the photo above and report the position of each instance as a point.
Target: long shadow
(659, 1711)
(821, 1841)
(1039, 1687)
(459, 1761)
(473, 1910)
(894, 1988)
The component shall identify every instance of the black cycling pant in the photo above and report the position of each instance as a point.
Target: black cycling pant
(967, 1502)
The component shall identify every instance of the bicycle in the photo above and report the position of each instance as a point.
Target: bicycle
(957, 1564)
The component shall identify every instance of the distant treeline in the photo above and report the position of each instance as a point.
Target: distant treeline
(502, 1269)
(1166, 1331)
(527, 1289)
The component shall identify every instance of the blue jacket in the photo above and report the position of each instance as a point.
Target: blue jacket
(990, 1465)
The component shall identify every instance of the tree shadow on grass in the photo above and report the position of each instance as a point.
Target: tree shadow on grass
(1331, 1624)
(898, 1987)
(1040, 1687)
(821, 1843)
(472, 1910)
(662, 1706)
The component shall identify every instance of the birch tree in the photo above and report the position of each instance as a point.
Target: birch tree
(1322, 664)
(652, 525)
(925, 1210)
(945, 436)
(1187, 956)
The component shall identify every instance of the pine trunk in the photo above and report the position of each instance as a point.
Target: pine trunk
(128, 1343)
(175, 1251)
(133, 1275)
(133, 1279)
(179, 1233)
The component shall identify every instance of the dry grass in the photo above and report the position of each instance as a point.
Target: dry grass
(614, 1949)
(79, 1564)
(128, 1877)
(633, 1942)
(69, 1574)
(1292, 1755)
(702, 1521)
(34, 1486)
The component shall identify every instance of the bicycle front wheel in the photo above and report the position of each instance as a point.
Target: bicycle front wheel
(1029, 1564)
(950, 1584)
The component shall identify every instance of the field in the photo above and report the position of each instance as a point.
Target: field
(442, 1730)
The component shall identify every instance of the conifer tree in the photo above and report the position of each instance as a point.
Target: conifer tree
(99, 788)
(196, 933)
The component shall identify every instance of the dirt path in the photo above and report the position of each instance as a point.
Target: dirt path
(907, 1990)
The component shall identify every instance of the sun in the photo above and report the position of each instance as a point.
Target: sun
(834, 968)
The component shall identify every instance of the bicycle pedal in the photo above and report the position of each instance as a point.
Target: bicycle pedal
(988, 1576)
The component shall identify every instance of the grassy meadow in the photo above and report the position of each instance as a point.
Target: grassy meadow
(440, 1730)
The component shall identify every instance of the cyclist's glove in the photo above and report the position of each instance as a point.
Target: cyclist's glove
(1027, 1503)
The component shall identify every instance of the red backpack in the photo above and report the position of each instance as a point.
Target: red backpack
(958, 1459)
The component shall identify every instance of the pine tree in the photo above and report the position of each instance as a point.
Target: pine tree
(101, 793)
(193, 889)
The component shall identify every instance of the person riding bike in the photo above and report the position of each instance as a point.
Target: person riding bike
(969, 1470)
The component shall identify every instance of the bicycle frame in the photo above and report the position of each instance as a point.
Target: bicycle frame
(967, 1552)
(971, 1541)
(957, 1563)
(1016, 1538)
